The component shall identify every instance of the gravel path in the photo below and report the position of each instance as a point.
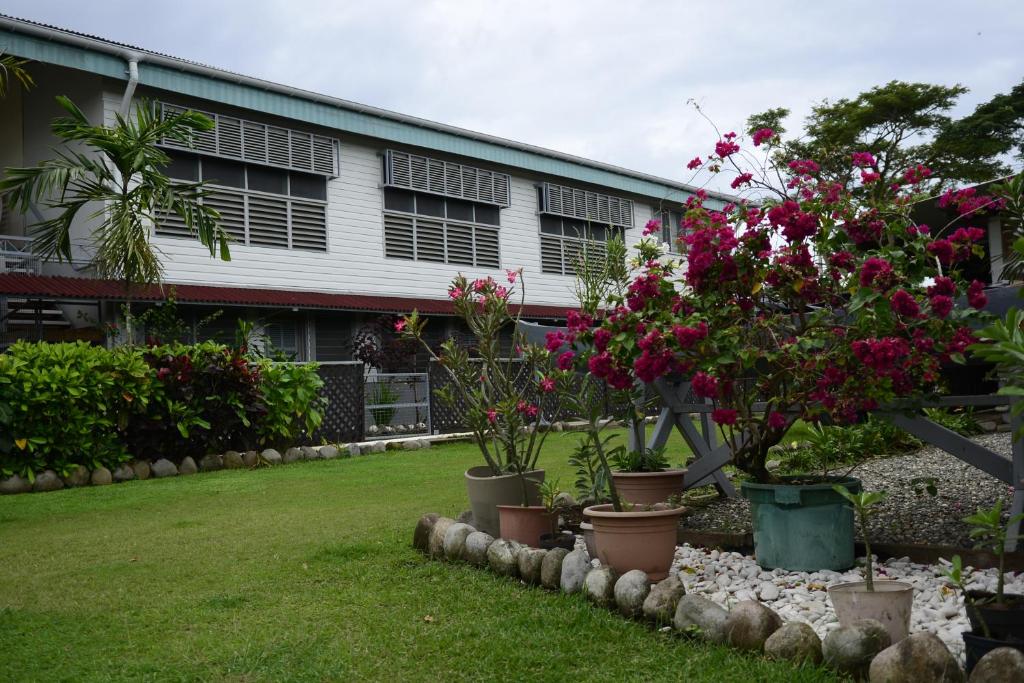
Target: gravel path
(904, 517)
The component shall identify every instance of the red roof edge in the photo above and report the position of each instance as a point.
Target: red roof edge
(61, 287)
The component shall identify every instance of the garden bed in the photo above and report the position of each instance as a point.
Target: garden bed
(905, 516)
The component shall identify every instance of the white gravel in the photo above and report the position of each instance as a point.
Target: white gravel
(727, 578)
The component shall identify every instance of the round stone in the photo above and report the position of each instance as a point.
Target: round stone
(503, 557)
(918, 658)
(660, 604)
(749, 625)
(123, 472)
(575, 567)
(47, 480)
(291, 455)
(795, 641)
(421, 536)
(699, 616)
(233, 460)
(599, 587)
(187, 466)
(101, 476)
(999, 666)
(631, 590)
(163, 468)
(211, 463)
(475, 551)
(551, 568)
(329, 452)
(454, 543)
(530, 562)
(79, 476)
(250, 458)
(435, 546)
(15, 484)
(310, 453)
(271, 456)
(851, 648)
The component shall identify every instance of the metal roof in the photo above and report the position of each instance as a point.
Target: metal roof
(64, 47)
(89, 289)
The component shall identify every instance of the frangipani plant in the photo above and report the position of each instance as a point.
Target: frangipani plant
(862, 503)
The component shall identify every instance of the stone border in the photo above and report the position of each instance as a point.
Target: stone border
(49, 480)
(862, 649)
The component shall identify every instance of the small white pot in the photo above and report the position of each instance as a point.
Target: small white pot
(889, 604)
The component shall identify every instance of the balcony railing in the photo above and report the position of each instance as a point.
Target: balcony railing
(16, 255)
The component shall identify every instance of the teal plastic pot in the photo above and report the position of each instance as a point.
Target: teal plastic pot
(802, 527)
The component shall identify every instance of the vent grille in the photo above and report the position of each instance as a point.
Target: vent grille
(423, 174)
(262, 220)
(427, 239)
(259, 143)
(585, 205)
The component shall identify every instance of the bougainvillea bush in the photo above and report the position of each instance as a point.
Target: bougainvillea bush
(808, 302)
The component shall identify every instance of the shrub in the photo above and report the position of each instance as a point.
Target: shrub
(68, 405)
(292, 401)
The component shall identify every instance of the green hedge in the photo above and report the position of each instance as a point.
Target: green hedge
(63, 405)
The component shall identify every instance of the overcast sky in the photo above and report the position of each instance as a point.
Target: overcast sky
(605, 80)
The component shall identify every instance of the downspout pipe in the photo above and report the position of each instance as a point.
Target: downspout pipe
(133, 80)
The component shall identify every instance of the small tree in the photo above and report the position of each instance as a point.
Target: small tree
(119, 170)
(862, 503)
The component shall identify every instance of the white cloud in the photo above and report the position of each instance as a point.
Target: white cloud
(606, 80)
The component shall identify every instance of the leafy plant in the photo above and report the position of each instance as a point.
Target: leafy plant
(961, 422)
(549, 491)
(643, 460)
(989, 531)
(955, 574)
(591, 481)
(826, 448)
(862, 503)
(292, 400)
(12, 68)
(382, 393)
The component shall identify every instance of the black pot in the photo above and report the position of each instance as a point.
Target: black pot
(561, 540)
(979, 646)
(1005, 621)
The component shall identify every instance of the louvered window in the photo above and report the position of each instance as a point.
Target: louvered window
(259, 143)
(258, 206)
(670, 229)
(594, 207)
(423, 227)
(446, 178)
(564, 241)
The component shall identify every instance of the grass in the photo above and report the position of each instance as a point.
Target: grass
(303, 572)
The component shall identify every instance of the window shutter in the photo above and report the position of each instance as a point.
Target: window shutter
(309, 226)
(260, 143)
(487, 255)
(398, 236)
(231, 207)
(460, 244)
(268, 221)
(429, 240)
(419, 173)
(551, 254)
(585, 205)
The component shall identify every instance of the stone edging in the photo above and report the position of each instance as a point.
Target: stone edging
(863, 649)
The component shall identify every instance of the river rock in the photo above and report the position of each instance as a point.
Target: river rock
(435, 546)
(187, 466)
(851, 648)
(599, 586)
(79, 476)
(701, 616)
(475, 550)
(454, 543)
(551, 568)
(660, 604)
(918, 658)
(123, 472)
(353, 450)
(47, 480)
(421, 536)
(329, 452)
(271, 456)
(795, 641)
(164, 468)
(291, 455)
(999, 666)
(143, 470)
(232, 460)
(749, 624)
(575, 567)
(378, 447)
(101, 476)
(15, 484)
(250, 458)
(631, 589)
(310, 453)
(530, 562)
(466, 517)
(503, 557)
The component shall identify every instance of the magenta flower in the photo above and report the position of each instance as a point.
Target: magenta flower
(492, 415)
(863, 159)
(941, 305)
(976, 295)
(565, 360)
(724, 416)
(512, 275)
(400, 325)
(903, 303)
(547, 385)
(763, 135)
(455, 293)
(653, 226)
(776, 420)
(695, 163)
(704, 385)
(725, 148)
(875, 268)
(741, 179)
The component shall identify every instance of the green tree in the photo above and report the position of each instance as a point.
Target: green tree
(902, 125)
(12, 68)
(115, 174)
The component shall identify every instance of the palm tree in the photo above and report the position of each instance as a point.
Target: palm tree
(13, 68)
(118, 172)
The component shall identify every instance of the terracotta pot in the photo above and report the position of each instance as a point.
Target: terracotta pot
(487, 492)
(648, 488)
(588, 537)
(635, 540)
(526, 524)
(889, 604)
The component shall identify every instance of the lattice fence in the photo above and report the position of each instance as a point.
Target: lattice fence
(343, 389)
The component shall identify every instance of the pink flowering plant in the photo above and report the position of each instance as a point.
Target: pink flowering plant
(500, 393)
(803, 300)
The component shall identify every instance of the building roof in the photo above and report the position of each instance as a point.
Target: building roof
(87, 289)
(64, 47)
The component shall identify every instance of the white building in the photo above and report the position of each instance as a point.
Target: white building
(339, 211)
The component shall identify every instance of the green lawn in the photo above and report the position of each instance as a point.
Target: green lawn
(303, 572)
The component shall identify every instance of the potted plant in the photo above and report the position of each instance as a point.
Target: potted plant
(888, 602)
(552, 537)
(823, 301)
(997, 618)
(643, 476)
(499, 396)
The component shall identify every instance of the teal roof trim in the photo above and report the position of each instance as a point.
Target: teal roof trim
(328, 115)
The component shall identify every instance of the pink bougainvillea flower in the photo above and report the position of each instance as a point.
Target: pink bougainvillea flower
(903, 303)
(976, 295)
(704, 385)
(601, 338)
(741, 179)
(868, 177)
(942, 285)
(763, 135)
(941, 305)
(694, 163)
(804, 167)
(776, 420)
(726, 147)
(652, 226)
(863, 159)
(724, 416)
(943, 250)
(554, 340)
(875, 268)
(565, 360)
